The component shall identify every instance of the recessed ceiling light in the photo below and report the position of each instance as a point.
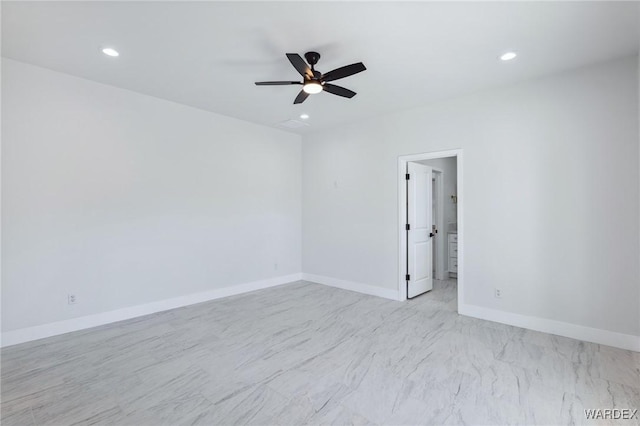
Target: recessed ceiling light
(507, 56)
(110, 52)
(304, 116)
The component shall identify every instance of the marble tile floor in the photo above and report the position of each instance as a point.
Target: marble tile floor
(304, 353)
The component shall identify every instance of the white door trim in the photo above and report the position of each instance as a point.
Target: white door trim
(402, 214)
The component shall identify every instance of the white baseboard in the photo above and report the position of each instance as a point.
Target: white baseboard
(559, 328)
(61, 327)
(603, 337)
(353, 286)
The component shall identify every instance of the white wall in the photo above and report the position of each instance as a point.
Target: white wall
(126, 199)
(551, 184)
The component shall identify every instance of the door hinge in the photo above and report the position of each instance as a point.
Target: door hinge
(407, 176)
(407, 227)
(408, 277)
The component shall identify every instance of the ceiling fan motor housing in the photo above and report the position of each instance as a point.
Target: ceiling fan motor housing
(312, 58)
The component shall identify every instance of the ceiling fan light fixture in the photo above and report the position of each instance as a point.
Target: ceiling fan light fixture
(312, 87)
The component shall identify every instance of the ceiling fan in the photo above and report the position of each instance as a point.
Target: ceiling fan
(314, 81)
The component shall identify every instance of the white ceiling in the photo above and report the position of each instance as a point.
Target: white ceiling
(208, 54)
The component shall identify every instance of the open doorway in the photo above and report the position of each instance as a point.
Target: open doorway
(445, 216)
(439, 219)
(430, 223)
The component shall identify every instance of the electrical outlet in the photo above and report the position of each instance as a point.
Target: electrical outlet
(275, 266)
(498, 293)
(72, 299)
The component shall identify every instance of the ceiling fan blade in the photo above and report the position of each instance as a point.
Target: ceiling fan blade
(302, 96)
(300, 65)
(343, 72)
(276, 83)
(337, 90)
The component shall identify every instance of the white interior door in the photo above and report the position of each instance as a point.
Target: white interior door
(419, 237)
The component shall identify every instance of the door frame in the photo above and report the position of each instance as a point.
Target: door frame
(402, 215)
